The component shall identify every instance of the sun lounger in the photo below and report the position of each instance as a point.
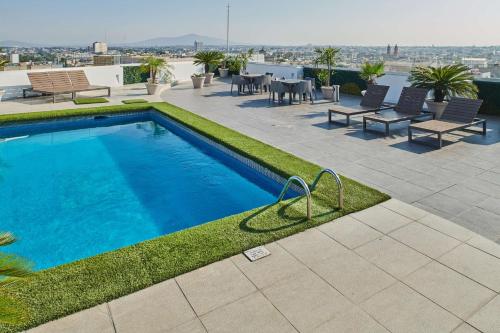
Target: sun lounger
(41, 82)
(460, 114)
(409, 107)
(80, 82)
(372, 101)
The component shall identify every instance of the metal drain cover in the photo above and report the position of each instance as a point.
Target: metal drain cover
(256, 253)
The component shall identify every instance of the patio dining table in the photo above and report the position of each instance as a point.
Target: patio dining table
(290, 84)
(250, 78)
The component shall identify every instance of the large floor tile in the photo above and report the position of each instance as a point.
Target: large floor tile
(392, 256)
(268, 270)
(481, 221)
(311, 246)
(405, 209)
(466, 328)
(253, 313)
(352, 321)
(154, 309)
(95, 319)
(451, 290)
(485, 245)
(349, 232)
(488, 318)
(381, 218)
(214, 285)
(476, 264)
(353, 276)
(306, 300)
(447, 227)
(401, 309)
(425, 240)
(446, 204)
(192, 326)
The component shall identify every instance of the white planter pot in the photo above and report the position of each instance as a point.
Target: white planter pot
(208, 78)
(224, 72)
(436, 107)
(2, 92)
(153, 88)
(327, 92)
(198, 82)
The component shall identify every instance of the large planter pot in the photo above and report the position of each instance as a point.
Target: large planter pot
(224, 72)
(153, 88)
(208, 78)
(436, 107)
(327, 92)
(198, 81)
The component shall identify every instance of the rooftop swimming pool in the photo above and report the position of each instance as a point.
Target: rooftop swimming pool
(74, 188)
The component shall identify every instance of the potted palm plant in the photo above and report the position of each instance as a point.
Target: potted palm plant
(370, 72)
(444, 82)
(223, 70)
(208, 59)
(198, 80)
(327, 56)
(12, 269)
(155, 66)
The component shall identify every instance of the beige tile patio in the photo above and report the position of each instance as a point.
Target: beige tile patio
(311, 246)
(349, 232)
(381, 218)
(214, 285)
(405, 209)
(488, 318)
(401, 309)
(352, 321)
(154, 309)
(425, 240)
(92, 320)
(306, 300)
(392, 256)
(451, 290)
(253, 313)
(475, 264)
(192, 326)
(466, 328)
(485, 245)
(447, 227)
(353, 276)
(266, 271)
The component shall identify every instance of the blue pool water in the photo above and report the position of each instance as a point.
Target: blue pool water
(79, 192)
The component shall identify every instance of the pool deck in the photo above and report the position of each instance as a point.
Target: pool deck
(391, 268)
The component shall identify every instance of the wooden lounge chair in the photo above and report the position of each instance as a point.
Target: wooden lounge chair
(41, 82)
(409, 107)
(80, 83)
(372, 101)
(459, 114)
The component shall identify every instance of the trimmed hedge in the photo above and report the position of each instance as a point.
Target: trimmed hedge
(489, 92)
(347, 79)
(72, 287)
(134, 74)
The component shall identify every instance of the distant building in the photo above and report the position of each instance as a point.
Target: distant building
(108, 60)
(389, 49)
(198, 45)
(396, 50)
(100, 47)
(475, 62)
(14, 58)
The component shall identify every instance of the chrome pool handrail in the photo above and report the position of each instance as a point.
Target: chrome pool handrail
(306, 190)
(337, 180)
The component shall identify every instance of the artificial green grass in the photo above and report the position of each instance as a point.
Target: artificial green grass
(79, 285)
(90, 100)
(134, 101)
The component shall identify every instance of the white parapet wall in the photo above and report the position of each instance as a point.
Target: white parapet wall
(279, 71)
(396, 81)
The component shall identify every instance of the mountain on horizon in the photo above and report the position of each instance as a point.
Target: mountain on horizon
(16, 43)
(184, 40)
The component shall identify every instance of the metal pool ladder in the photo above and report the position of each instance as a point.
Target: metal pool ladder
(304, 185)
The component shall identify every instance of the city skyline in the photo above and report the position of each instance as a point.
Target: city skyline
(279, 23)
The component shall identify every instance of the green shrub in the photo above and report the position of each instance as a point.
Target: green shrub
(134, 74)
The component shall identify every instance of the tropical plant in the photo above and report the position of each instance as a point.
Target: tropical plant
(12, 268)
(208, 59)
(445, 81)
(155, 66)
(323, 76)
(369, 72)
(326, 56)
(3, 62)
(198, 75)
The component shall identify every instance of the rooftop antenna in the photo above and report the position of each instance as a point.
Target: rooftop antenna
(227, 30)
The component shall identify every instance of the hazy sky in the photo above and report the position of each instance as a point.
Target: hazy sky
(337, 22)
